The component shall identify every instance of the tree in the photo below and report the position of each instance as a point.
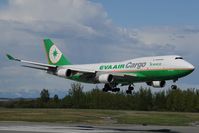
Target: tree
(56, 98)
(144, 99)
(44, 96)
(159, 101)
(77, 95)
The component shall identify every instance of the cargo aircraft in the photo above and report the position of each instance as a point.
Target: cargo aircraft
(154, 71)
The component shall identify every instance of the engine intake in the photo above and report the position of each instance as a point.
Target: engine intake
(105, 78)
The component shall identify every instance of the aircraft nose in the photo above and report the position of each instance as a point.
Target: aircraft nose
(190, 67)
(193, 68)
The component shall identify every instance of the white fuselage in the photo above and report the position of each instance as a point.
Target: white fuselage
(144, 63)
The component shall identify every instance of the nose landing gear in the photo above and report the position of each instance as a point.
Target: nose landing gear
(174, 87)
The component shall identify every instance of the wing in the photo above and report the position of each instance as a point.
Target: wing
(86, 74)
(80, 70)
(40, 66)
(130, 76)
(126, 78)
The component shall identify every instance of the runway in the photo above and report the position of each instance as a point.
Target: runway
(29, 127)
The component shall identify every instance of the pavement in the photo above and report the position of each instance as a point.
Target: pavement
(30, 127)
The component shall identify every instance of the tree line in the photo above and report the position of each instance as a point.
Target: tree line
(143, 99)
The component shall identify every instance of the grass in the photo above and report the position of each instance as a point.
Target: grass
(99, 117)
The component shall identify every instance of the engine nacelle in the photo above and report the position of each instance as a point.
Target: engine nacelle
(157, 84)
(64, 72)
(105, 78)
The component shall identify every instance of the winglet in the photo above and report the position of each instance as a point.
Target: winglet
(11, 57)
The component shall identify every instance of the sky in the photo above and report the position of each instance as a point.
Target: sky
(140, 13)
(91, 31)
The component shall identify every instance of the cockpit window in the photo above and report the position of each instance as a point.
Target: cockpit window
(178, 58)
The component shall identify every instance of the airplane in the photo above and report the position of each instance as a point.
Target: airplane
(154, 71)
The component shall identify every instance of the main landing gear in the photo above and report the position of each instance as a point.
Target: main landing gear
(130, 88)
(174, 87)
(109, 87)
(114, 88)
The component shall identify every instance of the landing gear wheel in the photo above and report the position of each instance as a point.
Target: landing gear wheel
(105, 90)
(128, 91)
(130, 88)
(115, 89)
(174, 87)
(107, 86)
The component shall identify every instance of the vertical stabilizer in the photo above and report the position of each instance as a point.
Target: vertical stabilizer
(54, 55)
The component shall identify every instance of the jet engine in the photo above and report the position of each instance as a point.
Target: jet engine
(105, 78)
(64, 72)
(157, 84)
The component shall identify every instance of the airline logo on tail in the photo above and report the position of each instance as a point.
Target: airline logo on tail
(54, 54)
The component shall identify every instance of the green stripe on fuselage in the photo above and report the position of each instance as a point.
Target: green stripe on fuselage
(142, 75)
(157, 75)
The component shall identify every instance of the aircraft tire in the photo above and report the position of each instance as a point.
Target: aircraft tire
(131, 88)
(128, 91)
(117, 89)
(113, 90)
(105, 90)
(174, 87)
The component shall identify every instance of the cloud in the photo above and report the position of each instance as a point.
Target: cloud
(179, 39)
(84, 31)
(25, 23)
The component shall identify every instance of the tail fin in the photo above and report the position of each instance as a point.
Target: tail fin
(54, 55)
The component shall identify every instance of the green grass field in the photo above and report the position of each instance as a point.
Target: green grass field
(98, 117)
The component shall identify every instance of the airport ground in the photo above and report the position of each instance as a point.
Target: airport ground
(30, 127)
(99, 117)
(85, 120)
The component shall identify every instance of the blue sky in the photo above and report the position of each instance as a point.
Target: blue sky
(3, 3)
(90, 32)
(139, 13)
